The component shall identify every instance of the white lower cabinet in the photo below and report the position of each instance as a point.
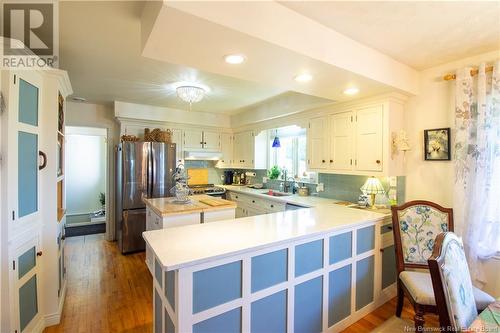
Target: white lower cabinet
(249, 205)
(219, 215)
(25, 286)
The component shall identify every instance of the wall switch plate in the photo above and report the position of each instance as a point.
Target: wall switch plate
(320, 187)
(264, 180)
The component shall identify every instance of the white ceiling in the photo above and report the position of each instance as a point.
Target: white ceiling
(100, 47)
(421, 34)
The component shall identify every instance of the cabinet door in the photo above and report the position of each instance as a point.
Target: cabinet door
(248, 150)
(369, 129)
(341, 144)
(177, 139)
(193, 139)
(318, 143)
(211, 140)
(389, 272)
(23, 157)
(238, 150)
(25, 287)
(226, 141)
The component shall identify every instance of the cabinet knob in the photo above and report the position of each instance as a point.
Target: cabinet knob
(63, 237)
(272, 206)
(201, 142)
(253, 201)
(378, 161)
(381, 250)
(323, 161)
(39, 253)
(331, 161)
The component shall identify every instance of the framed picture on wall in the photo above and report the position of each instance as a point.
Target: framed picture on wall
(437, 144)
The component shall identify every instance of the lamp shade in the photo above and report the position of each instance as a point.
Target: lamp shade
(372, 186)
(276, 142)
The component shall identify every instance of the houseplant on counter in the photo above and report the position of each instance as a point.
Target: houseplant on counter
(274, 172)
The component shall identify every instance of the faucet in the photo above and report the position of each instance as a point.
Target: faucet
(294, 185)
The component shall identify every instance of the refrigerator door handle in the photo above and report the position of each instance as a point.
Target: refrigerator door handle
(150, 174)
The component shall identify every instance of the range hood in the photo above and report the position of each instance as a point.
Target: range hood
(202, 155)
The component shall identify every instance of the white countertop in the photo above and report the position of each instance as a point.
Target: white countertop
(180, 247)
(309, 201)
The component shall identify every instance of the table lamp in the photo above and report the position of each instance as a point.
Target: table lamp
(372, 186)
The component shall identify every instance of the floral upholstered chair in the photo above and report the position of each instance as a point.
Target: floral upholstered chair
(415, 226)
(452, 284)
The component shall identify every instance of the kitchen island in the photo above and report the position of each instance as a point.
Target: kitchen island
(308, 270)
(165, 212)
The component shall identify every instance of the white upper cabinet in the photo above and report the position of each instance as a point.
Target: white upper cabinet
(211, 141)
(341, 141)
(249, 150)
(369, 128)
(226, 142)
(193, 139)
(318, 143)
(199, 139)
(177, 139)
(357, 140)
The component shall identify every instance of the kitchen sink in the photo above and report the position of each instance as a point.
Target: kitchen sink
(278, 194)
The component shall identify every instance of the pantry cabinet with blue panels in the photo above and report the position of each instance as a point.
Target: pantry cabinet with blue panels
(317, 284)
(29, 129)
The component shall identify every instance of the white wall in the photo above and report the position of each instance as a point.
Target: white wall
(434, 108)
(100, 116)
(85, 169)
(169, 115)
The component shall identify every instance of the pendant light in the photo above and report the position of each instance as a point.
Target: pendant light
(276, 141)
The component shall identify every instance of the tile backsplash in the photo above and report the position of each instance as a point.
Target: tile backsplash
(341, 187)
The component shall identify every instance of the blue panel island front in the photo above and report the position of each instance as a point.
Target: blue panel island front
(310, 270)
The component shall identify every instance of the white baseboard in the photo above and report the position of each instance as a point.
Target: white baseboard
(55, 318)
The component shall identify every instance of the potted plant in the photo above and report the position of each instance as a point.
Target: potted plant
(102, 200)
(274, 172)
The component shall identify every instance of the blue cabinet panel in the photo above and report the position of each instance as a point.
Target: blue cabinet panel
(308, 306)
(215, 286)
(158, 273)
(269, 314)
(269, 269)
(308, 257)
(158, 312)
(365, 239)
(28, 302)
(389, 271)
(28, 103)
(27, 173)
(170, 288)
(340, 247)
(365, 269)
(26, 262)
(169, 324)
(228, 322)
(339, 294)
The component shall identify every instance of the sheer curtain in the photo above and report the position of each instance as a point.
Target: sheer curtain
(477, 164)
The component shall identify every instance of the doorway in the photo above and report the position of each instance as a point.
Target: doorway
(86, 180)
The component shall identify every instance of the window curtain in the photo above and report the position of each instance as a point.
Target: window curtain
(477, 164)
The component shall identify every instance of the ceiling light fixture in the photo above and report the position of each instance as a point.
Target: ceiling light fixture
(190, 94)
(351, 91)
(234, 59)
(304, 77)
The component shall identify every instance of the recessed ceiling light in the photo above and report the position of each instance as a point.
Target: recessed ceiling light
(234, 59)
(351, 91)
(304, 77)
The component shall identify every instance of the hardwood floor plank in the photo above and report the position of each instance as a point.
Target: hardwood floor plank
(110, 292)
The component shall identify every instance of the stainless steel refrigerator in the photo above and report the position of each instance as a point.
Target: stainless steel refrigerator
(142, 169)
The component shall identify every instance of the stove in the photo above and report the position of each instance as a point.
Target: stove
(209, 189)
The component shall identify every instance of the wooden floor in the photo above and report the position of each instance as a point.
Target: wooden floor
(109, 292)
